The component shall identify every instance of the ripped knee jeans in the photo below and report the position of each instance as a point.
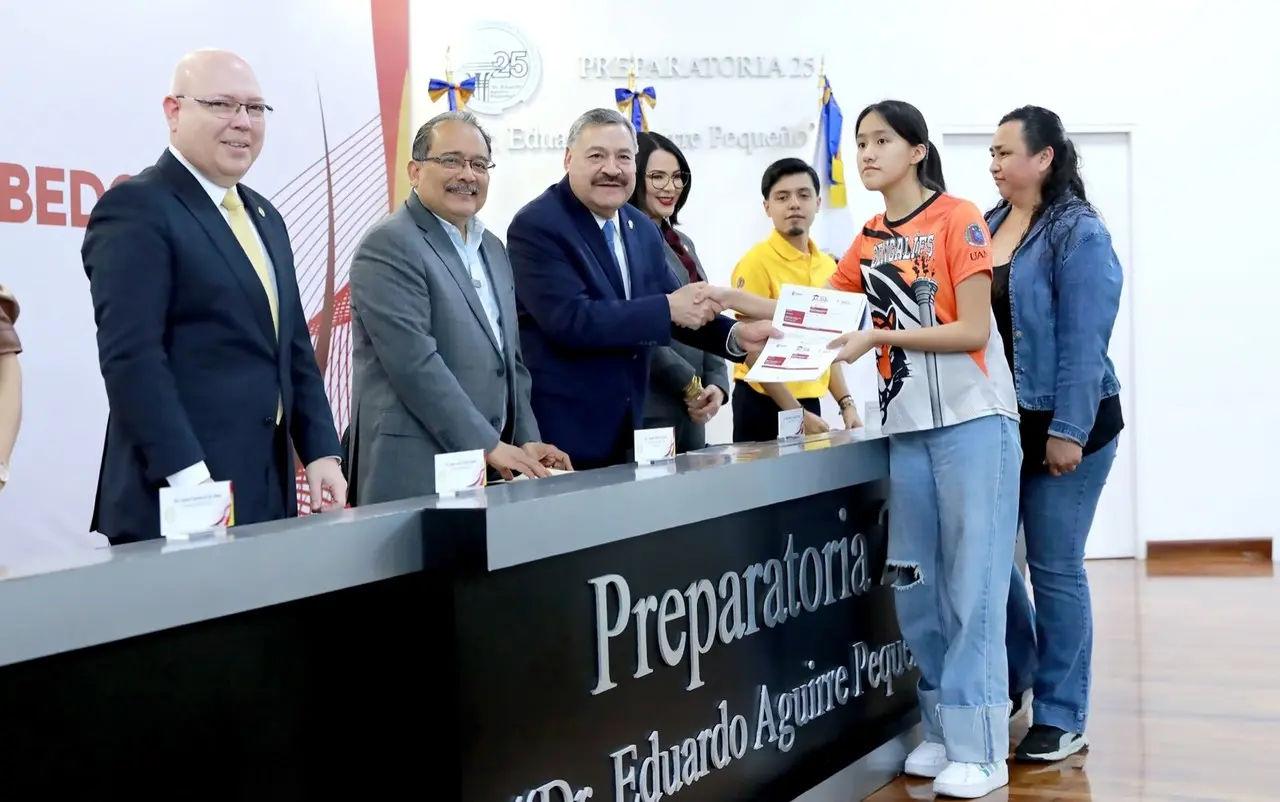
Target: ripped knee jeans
(953, 522)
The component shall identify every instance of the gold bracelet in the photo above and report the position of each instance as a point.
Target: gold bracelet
(694, 388)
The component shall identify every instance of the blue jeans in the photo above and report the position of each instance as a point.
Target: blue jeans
(1050, 647)
(953, 520)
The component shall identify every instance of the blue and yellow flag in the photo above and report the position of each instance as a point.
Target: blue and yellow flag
(831, 126)
(632, 103)
(834, 228)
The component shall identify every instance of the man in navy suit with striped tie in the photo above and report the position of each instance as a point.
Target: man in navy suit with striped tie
(594, 295)
(202, 339)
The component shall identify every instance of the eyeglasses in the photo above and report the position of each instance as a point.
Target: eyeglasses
(228, 109)
(662, 180)
(456, 163)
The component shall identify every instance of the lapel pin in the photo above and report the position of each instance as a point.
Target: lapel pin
(631, 225)
(261, 213)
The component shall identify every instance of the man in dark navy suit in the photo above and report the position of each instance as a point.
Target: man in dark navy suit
(202, 339)
(594, 295)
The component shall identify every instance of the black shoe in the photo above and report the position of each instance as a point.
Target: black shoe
(1045, 744)
(1019, 704)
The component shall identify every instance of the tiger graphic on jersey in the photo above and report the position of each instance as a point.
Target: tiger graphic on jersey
(909, 270)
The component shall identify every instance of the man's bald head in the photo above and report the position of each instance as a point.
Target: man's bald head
(216, 114)
(196, 69)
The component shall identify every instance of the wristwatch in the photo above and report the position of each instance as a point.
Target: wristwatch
(4, 475)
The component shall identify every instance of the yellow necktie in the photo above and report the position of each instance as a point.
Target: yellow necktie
(242, 227)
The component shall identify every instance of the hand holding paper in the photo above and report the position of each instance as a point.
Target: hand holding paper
(755, 336)
(809, 318)
(853, 345)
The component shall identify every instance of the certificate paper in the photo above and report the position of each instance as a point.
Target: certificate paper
(809, 319)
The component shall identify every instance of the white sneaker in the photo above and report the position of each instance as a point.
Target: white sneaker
(926, 760)
(971, 780)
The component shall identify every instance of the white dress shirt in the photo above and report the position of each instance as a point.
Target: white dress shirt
(468, 249)
(469, 252)
(199, 472)
(216, 194)
(619, 250)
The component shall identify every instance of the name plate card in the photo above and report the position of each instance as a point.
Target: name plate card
(790, 423)
(459, 471)
(655, 445)
(871, 419)
(196, 510)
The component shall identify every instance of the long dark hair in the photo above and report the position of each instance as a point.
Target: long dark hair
(649, 142)
(908, 123)
(1042, 129)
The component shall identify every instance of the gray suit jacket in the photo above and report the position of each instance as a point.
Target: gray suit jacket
(672, 367)
(429, 377)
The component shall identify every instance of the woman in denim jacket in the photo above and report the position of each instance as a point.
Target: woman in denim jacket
(1055, 294)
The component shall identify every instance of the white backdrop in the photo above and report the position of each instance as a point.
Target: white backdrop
(1201, 123)
(96, 108)
(742, 123)
(86, 98)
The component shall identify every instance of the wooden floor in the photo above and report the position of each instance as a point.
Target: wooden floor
(1186, 690)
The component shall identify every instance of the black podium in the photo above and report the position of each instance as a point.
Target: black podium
(713, 628)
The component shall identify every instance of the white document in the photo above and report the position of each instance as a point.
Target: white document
(194, 510)
(550, 470)
(809, 319)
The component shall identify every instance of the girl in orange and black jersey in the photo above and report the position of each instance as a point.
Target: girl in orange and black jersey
(947, 403)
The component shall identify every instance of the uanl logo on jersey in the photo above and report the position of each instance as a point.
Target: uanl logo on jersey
(974, 236)
(902, 249)
(977, 238)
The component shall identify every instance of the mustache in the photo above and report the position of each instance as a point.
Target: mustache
(608, 181)
(462, 186)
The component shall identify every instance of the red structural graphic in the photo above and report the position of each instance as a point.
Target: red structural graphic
(330, 205)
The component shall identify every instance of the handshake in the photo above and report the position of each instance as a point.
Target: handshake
(695, 305)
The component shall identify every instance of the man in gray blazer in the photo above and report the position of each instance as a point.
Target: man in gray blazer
(675, 400)
(435, 341)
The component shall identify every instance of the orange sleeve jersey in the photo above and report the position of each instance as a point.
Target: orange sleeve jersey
(909, 270)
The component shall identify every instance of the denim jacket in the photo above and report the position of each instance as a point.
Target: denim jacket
(1064, 291)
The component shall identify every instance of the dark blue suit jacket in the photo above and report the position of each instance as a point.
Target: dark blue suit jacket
(191, 364)
(585, 344)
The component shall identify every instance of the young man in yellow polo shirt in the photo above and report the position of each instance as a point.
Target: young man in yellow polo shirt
(791, 199)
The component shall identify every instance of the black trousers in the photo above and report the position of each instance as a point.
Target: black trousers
(621, 453)
(755, 415)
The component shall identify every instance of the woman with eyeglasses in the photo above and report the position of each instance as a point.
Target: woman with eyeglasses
(687, 387)
(10, 381)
